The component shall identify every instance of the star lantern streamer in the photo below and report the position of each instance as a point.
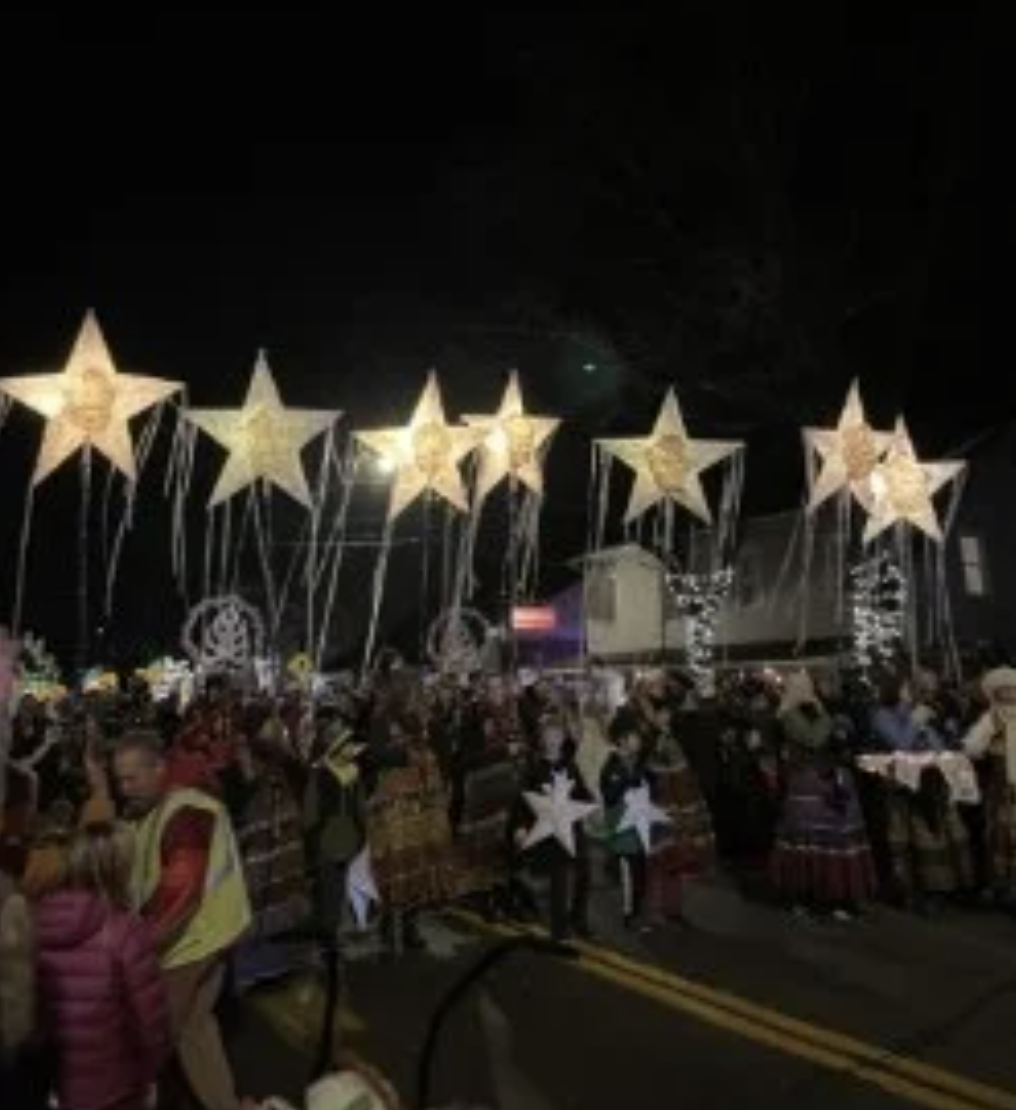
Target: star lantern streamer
(513, 445)
(668, 464)
(848, 454)
(88, 404)
(424, 455)
(901, 489)
(264, 439)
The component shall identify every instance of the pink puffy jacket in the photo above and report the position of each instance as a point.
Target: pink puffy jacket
(101, 998)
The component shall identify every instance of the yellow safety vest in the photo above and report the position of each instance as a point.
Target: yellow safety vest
(224, 911)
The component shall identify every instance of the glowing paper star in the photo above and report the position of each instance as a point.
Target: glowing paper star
(424, 455)
(513, 443)
(668, 464)
(361, 888)
(640, 814)
(849, 452)
(901, 489)
(264, 438)
(556, 812)
(88, 404)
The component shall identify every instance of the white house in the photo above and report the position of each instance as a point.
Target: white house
(629, 613)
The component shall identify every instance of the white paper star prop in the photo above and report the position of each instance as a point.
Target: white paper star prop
(848, 453)
(668, 464)
(513, 443)
(640, 814)
(361, 888)
(264, 438)
(88, 404)
(901, 489)
(425, 454)
(556, 813)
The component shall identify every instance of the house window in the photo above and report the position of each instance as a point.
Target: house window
(601, 595)
(975, 581)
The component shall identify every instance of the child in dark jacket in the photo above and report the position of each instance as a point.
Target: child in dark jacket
(101, 994)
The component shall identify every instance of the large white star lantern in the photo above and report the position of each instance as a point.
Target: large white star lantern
(641, 814)
(848, 454)
(88, 404)
(901, 488)
(557, 813)
(264, 439)
(514, 443)
(668, 464)
(425, 454)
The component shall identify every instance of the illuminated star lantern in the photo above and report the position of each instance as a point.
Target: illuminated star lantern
(425, 454)
(557, 813)
(848, 453)
(264, 439)
(667, 464)
(88, 404)
(361, 887)
(641, 814)
(901, 488)
(513, 443)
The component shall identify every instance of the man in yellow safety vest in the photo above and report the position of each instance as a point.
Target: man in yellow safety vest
(189, 885)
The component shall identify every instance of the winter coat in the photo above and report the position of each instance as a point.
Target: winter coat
(102, 999)
(17, 971)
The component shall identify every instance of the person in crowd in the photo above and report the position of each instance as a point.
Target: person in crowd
(992, 739)
(408, 831)
(568, 875)
(821, 861)
(188, 884)
(927, 839)
(624, 771)
(22, 1083)
(100, 986)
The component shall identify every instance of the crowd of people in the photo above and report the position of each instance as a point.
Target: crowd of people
(159, 855)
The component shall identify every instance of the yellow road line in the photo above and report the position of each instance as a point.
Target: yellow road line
(922, 1083)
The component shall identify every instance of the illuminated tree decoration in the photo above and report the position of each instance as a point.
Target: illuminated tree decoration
(878, 610)
(700, 599)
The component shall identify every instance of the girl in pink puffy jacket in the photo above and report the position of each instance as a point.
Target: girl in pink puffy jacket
(101, 995)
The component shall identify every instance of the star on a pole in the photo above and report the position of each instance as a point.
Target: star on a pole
(640, 814)
(556, 812)
(425, 454)
(668, 464)
(901, 488)
(514, 443)
(848, 453)
(264, 438)
(88, 404)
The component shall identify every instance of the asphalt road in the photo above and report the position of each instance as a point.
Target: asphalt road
(744, 1007)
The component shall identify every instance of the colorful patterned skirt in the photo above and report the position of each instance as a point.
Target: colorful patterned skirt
(928, 857)
(270, 837)
(483, 848)
(822, 855)
(1000, 815)
(410, 839)
(685, 847)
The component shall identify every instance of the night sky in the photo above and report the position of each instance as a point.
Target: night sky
(753, 209)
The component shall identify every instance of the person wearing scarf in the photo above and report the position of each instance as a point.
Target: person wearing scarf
(993, 739)
(822, 860)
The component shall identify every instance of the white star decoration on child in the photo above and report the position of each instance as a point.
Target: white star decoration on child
(640, 814)
(361, 889)
(557, 813)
